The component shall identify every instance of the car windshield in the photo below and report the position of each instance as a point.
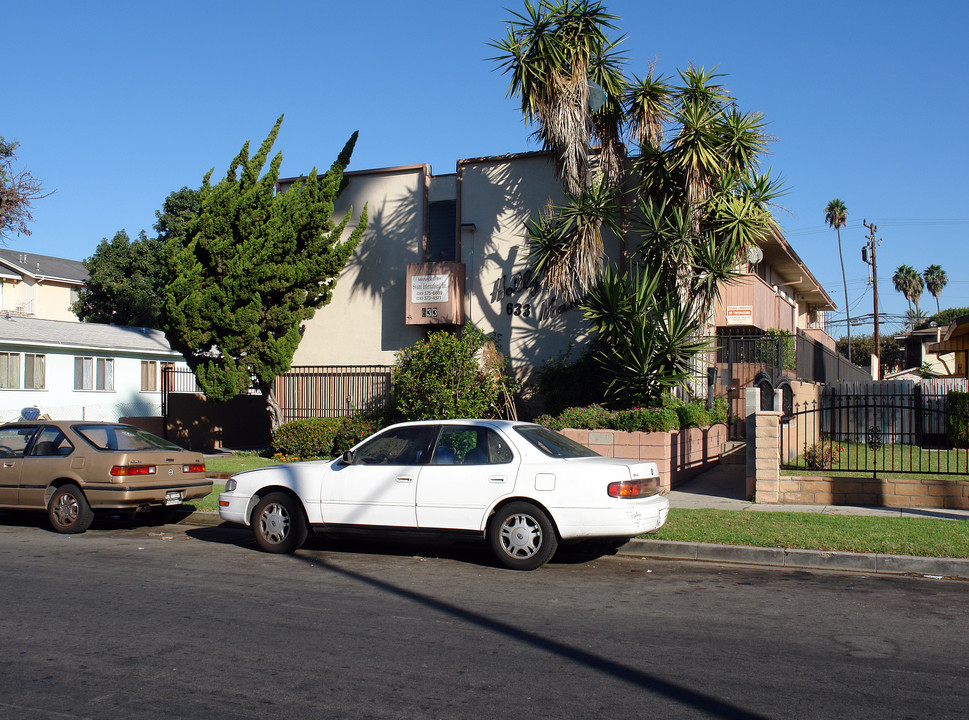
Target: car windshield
(553, 444)
(122, 437)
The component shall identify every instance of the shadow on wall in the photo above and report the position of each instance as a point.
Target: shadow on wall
(393, 238)
(199, 424)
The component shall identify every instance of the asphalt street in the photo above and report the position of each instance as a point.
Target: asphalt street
(186, 621)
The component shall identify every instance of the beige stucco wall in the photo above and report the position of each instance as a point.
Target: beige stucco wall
(364, 322)
(46, 299)
(498, 195)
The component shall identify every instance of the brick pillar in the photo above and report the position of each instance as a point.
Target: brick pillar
(751, 408)
(767, 456)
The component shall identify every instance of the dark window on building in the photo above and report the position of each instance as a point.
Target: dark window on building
(442, 217)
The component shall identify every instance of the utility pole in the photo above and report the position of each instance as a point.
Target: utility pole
(869, 257)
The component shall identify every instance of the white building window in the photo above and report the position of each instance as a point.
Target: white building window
(93, 373)
(9, 370)
(149, 376)
(35, 371)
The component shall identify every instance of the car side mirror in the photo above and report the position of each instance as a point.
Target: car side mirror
(348, 457)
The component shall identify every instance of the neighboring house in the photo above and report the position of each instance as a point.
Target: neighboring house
(925, 353)
(83, 371)
(955, 341)
(39, 286)
(445, 250)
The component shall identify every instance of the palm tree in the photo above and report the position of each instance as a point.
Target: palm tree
(901, 280)
(553, 51)
(935, 280)
(836, 215)
(908, 282)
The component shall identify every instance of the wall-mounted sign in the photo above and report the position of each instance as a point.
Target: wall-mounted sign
(429, 288)
(435, 294)
(519, 304)
(740, 315)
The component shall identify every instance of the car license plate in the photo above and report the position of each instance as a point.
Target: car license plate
(173, 497)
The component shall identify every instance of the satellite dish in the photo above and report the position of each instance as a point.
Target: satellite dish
(597, 97)
(754, 255)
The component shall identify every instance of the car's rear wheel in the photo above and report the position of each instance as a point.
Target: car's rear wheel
(278, 523)
(69, 511)
(522, 536)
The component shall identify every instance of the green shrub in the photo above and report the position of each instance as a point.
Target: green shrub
(958, 404)
(354, 429)
(720, 412)
(648, 419)
(592, 417)
(442, 377)
(692, 415)
(672, 415)
(308, 438)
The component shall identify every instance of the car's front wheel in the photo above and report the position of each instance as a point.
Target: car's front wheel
(278, 523)
(69, 511)
(522, 536)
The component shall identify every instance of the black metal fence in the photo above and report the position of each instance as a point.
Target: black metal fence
(176, 380)
(888, 428)
(308, 391)
(332, 390)
(820, 364)
(771, 362)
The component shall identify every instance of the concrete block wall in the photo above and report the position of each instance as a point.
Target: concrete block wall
(679, 454)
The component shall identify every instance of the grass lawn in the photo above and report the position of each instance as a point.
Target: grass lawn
(237, 462)
(858, 458)
(923, 537)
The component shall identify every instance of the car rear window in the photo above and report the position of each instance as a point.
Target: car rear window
(553, 444)
(122, 437)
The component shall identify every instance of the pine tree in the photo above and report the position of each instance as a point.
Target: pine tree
(256, 264)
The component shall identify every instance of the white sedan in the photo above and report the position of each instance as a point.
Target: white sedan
(523, 487)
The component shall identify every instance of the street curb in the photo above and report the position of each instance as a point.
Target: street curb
(749, 555)
(797, 558)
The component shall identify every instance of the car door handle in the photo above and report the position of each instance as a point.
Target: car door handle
(6, 464)
(405, 478)
(498, 479)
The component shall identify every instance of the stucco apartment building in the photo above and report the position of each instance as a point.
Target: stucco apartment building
(447, 250)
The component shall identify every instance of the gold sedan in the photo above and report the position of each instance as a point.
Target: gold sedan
(73, 469)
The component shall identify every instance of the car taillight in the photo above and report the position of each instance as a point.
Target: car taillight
(133, 470)
(193, 468)
(630, 489)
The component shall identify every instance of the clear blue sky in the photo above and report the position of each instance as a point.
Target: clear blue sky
(116, 104)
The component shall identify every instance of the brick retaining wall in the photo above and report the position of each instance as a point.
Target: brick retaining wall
(896, 492)
(679, 454)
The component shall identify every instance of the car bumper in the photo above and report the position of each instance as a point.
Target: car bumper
(129, 495)
(623, 519)
(234, 508)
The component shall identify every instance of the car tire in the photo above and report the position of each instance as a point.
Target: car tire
(69, 511)
(521, 536)
(278, 523)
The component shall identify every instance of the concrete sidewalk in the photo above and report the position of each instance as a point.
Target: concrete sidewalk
(722, 488)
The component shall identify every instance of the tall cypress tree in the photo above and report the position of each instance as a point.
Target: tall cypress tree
(255, 264)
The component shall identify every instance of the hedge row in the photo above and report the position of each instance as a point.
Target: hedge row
(673, 414)
(322, 437)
